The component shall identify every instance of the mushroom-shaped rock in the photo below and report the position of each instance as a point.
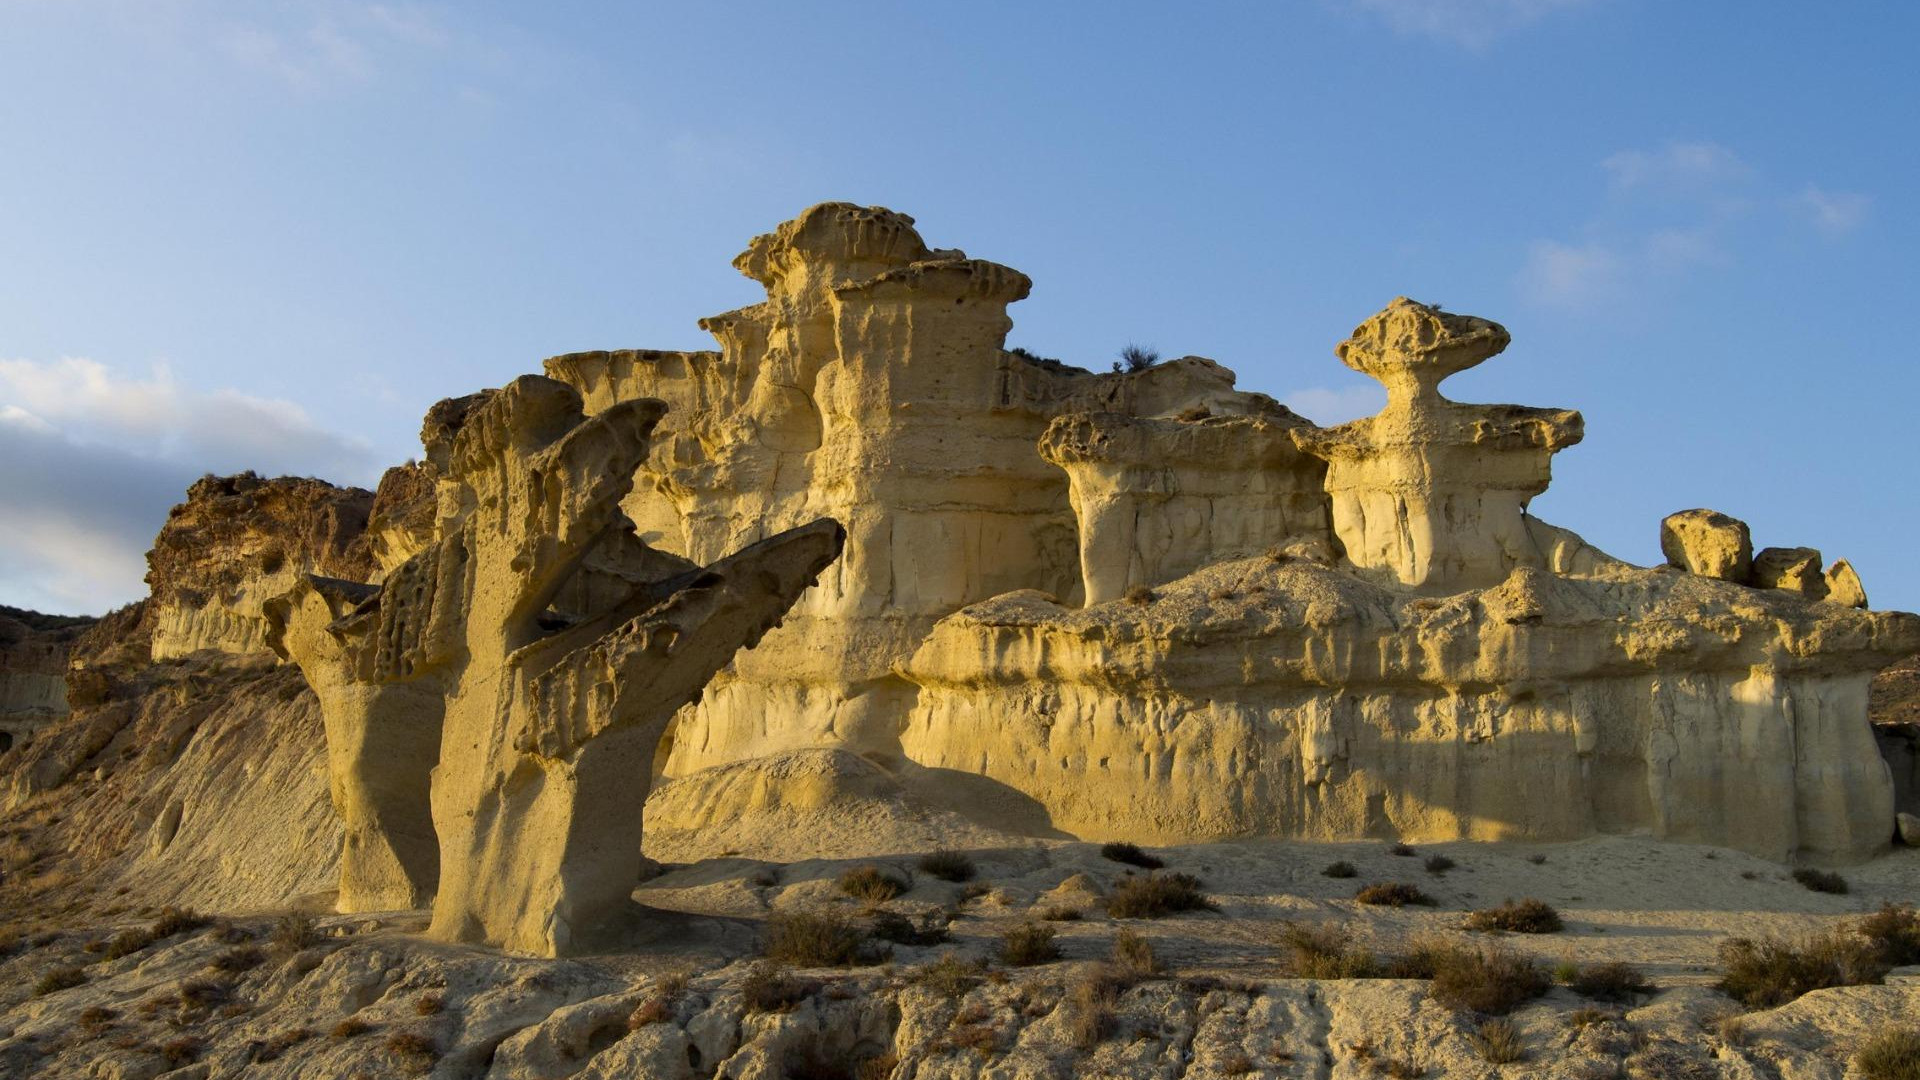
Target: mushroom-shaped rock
(1790, 569)
(1708, 543)
(1843, 585)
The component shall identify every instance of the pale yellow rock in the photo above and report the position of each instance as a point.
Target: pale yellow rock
(1708, 543)
(1843, 585)
(1795, 570)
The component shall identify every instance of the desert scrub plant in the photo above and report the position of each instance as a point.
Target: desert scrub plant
(276, 1047)
(414, 1051)
(1614, 981)
(1138, 595)
(58, 978)
(1586, 1016)
(238, 959)
(1121, 851)
(1324, 951)
(1155, 896)
(1393, 894)
(429, 1004)
(126, 943)
(1894, 932)
(1341, 869)
(182, 1051)
(1439, 864)
(1401, 849)
(1518, 917)
(293, 932)
(1029, 943)
(1492, 981)
(1821, 881)
(770, 987)
(947, 865)
(897, 928)
(1133, 954)
(872, 884)
(1890, 1054)
(812, 939)
(174, 920)
(949, 975)
(1499, 1042)
(1135, 358)
(1771, 971)
(1092, 1003)
(1062, 913)
(657, 1007)
(351, 1027)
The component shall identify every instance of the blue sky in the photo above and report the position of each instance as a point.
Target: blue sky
(269, 235)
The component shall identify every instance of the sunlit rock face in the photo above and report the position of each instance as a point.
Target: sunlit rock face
(1150, 605)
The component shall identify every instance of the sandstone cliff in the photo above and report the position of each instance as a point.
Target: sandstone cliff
(33, 667)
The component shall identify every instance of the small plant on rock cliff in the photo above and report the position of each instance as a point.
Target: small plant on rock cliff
(1522, 917)
(949, 976)
(238, 959)
(1393, 894)
(126, 943)
(414, 1051)
(1062, 913)
(947, 865)
(1439, 864)
(182, 1051)
(1133, 954)
(294, 931)
(1499, 1042)
(1092, 1004)
(1768, 972)
(812, 939)
(931, 929)
(429, 1005)
(175, 920)
(1490, 981)
(1821, 881)
(1135, 358)
(770, 987)
(56, 979)
(1890, 1054)
(1155, 895)
(872, 884)
(273, 1049)
(350, 1027)
(1341, 869)
(1400, 849)
(1614, 981)
(1894, 932)
(1122, 852)
(1138, 595)
(1028, 944)
(1324, 951)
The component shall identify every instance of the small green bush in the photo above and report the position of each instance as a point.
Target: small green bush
(1770, 971)
(1522, 917)
(1492, 981)
(812, 939)
(1122, 852)
(1029, 943)
(1155, 896)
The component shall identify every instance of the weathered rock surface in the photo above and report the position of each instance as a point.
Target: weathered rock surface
(239, 541)
(1795, 570)
(1843, 585)
(33, 671)
(1708, 543)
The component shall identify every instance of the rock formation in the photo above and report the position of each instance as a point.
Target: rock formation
(33, 667)
(539, 649)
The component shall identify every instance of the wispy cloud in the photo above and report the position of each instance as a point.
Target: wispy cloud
(342, 47)
(91, 459)
(1672, 210)
(1473, 23)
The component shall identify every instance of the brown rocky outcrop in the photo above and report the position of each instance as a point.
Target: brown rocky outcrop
(33, 665)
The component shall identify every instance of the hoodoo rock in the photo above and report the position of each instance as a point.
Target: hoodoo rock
(1708, 543)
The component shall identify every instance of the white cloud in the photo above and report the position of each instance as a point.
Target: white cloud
(91, 460)
(1337, 405)
(1676, 168)
(1571, 275)
(1835, 213)
(341, 48)
(1474, 23)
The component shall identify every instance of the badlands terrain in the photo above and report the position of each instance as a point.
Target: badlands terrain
(867, 699)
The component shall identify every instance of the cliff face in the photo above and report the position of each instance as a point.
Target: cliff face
(33, 666)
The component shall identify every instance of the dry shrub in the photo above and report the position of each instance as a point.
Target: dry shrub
(58, 978)
(1139, 595)
(238, 959)
(1439, 864)
(897, 928)
(1821, 881)
(175, 920)
(96, 1016)
(812, 939)
(350, 1027)
(872, 884)
(429, 1005)
(878, 1067)
(1400, 849)
(1155, 896)
(1537, 859)
(655, 1008)
(126, 943)
(1771, 971)
(1393, 894)
(1029, 943)
(1062, 913)
(412, 1050)
(1134, 954)
(293, 932)
(1093, 1003)
(1424, 955)
(948, 976)
(1341, 869)
(1895, 934)
(1324, 951)
(277, 1046)
(947, 865)
(1890, 1054)
(182, 1051)
(770, 987)
(1613, 981)
(1499, 1042)
(1122, 852)
(1586, 1016)
(1518, 917)
(1492, 981)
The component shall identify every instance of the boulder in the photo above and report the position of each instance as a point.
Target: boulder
(1791, 570)
(1843, 586)
(1909, 825)
(1708, 543)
